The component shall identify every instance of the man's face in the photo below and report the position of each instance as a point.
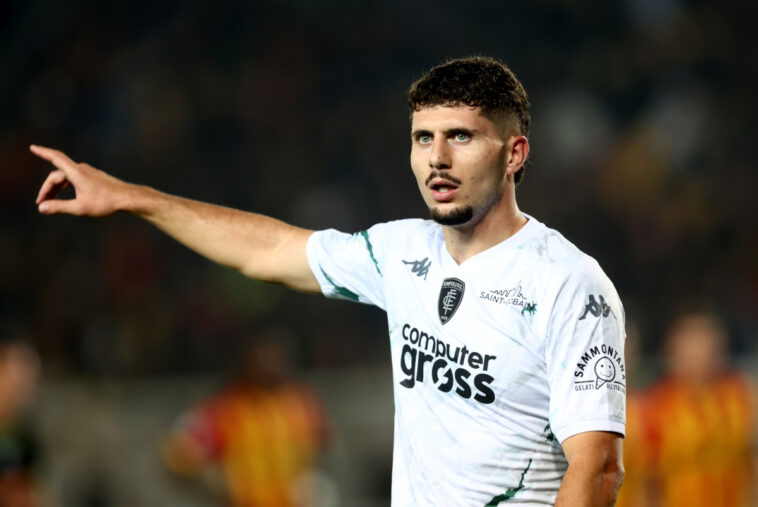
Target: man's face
(696, 348)
(457, 156)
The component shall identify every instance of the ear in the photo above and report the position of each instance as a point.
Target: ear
(516, 154)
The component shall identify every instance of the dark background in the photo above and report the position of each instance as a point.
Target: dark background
(642, 154)
(643, 151)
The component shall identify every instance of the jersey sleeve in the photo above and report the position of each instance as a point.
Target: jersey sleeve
(349, 266)
(584, 354)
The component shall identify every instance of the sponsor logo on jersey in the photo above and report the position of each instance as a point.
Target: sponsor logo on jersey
(513, 297)
(600, 367)
(420, 268)
(451, 295)
(596, 309)
(427, 359)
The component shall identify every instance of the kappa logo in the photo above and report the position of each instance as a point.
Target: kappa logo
(605, 364)
(420, 268)
(451, 295)
(597, 309)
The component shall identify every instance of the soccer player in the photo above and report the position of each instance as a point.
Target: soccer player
(700, 420)
(262, 432)
(506, 340)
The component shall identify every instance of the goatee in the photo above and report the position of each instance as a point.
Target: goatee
(456, 216)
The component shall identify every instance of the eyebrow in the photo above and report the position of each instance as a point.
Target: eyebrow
(448, 132)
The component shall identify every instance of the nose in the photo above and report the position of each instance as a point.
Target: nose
(439, 157)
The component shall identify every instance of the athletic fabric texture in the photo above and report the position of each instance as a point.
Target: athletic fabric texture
(495, 361)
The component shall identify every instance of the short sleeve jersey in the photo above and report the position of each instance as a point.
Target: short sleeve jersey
(495, 361)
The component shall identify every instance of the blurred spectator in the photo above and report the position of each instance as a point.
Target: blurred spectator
(701, 421)
(19, 369)
(626, 96)
(255, 442)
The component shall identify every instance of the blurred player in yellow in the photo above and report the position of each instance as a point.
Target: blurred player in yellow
(701, 420)
(255, 441)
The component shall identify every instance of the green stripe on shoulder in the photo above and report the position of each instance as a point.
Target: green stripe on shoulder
(342, 291)
(370, 250)
(511, 492)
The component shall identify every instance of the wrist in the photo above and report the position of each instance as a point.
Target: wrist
(137, 199)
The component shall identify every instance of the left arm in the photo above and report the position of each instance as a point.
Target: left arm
(595, 470)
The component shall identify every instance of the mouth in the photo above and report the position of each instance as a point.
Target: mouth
(443, 190)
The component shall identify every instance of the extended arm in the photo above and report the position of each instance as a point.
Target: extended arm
(258, 246)
(595, 470)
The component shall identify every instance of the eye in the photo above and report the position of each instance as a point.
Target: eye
(424, 139)
(462, 137)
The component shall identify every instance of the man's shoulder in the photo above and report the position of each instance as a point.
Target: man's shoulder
(395, 230)
(557, 257)
(416, 224)
(550, 247)
(387, 240)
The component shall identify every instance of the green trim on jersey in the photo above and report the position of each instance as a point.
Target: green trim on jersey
(342, 291)
(549, 435)
(371, 251)
(511, 492)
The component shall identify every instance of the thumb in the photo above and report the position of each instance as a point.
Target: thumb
(55, 206)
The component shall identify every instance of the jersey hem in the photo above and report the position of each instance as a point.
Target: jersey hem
(310, 245)
(585, 426)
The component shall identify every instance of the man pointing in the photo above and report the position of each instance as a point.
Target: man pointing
(506, 390)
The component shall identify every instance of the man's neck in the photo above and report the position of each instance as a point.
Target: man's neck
(500, 223)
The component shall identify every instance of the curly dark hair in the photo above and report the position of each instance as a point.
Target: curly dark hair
(476, 81)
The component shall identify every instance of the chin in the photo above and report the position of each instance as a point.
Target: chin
(457, 216)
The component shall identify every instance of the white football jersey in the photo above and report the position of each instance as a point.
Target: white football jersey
(495, 361)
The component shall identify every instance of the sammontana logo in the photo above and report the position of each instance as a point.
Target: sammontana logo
(600, 366)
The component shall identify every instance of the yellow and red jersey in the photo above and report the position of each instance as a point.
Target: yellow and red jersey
(263, 439)
(701, 440)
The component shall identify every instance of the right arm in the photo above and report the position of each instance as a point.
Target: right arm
(258, 246)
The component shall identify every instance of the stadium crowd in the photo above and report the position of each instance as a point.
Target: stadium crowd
(642, 155)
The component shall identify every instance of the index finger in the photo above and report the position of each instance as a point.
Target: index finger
(56, 157)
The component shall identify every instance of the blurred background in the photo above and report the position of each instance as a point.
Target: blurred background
(643, 155)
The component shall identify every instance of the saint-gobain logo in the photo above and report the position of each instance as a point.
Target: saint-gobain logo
(451, 295)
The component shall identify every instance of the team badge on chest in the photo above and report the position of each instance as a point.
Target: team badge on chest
(451, 295)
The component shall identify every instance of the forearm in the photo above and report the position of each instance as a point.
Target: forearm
(587, 485)
(258, 246)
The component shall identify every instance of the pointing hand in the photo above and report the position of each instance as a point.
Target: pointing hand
(97, 193)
